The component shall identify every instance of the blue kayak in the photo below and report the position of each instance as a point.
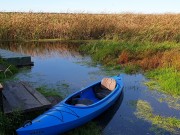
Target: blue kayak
(75, 110)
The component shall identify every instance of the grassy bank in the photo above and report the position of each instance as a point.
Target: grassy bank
(134, 27)
(167, 78)
(160, 60)
(146, 55)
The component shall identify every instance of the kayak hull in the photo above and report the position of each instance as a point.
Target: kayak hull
(64, 117)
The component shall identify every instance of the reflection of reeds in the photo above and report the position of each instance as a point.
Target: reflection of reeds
(43, 49)
(24, 26)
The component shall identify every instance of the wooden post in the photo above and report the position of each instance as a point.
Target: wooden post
(1, 99)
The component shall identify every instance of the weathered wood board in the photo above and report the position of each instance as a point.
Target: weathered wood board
(16, 59)
(21, 96)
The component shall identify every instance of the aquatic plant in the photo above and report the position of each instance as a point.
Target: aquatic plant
(48, 92)
(145, 111)
(173, 102)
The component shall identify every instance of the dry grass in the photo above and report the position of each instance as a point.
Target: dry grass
(28, 26)
(123, 57)
(168, 58)
(151, 62)
(171, 58)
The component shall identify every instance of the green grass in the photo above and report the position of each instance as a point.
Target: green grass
(145, 111)
(10, 122)
(103, 51)
(166, 80)
(90, 128)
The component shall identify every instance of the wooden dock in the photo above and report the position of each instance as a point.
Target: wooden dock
(21, 96)
(16, 59)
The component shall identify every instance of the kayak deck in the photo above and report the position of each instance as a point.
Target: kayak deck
(88, 96)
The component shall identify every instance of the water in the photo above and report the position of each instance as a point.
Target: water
(62, 67)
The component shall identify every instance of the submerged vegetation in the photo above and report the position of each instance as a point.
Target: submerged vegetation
(145, 111)
(48, 92)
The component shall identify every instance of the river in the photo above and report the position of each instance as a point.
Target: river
(60, 66)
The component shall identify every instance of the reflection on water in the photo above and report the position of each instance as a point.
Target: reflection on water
(107, 116)
(43, 49)
(57, 65)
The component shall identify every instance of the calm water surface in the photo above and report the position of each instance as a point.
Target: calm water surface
(60, 66)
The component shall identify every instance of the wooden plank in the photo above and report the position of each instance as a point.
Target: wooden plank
(18, 97)
(16, 59)
(38, 96)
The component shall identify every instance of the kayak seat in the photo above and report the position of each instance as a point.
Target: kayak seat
(105, 88)
(81, 101)
(100, 92)
(84, 101)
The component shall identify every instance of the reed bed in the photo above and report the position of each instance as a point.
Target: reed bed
(140, 27)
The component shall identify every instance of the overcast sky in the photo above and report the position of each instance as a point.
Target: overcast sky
(92, 6)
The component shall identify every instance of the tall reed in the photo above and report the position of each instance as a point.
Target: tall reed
(28, 26)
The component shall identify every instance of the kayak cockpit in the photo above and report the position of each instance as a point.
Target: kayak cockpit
(92, 94)
(83, 98)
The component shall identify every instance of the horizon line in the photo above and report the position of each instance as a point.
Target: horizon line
(86, 12)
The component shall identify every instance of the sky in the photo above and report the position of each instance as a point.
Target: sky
(91, 6)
